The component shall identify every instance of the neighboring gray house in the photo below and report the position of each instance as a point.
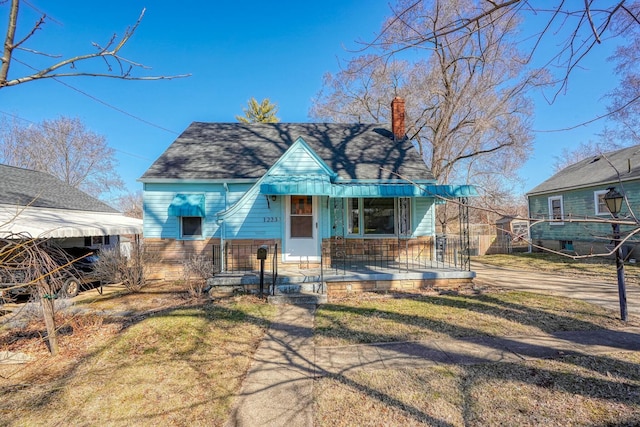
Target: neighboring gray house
(39, 205)
(576, 192)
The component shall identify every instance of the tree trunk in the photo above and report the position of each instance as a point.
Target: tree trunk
(47, 301)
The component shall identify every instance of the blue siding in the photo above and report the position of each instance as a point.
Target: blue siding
(423, 217)
(298, 162)
(158, 197)
(256, 219)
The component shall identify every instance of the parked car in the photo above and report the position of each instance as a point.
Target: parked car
(80, 275)
(76, 274)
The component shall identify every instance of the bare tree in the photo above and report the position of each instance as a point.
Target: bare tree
(569, 156)
(130, 204)
(624, 106)
(466, 91)
(64, 148)
(37, 267)
(109, 54)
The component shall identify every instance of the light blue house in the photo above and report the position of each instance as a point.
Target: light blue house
(315, 193)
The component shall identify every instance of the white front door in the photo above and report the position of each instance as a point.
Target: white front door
(301, 235)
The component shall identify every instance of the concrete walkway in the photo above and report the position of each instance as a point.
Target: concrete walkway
(278, 389)
(583, 288)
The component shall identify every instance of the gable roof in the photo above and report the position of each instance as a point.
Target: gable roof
(595, 170)
(218, 151)
(26, 187)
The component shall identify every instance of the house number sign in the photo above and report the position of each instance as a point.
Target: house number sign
(271, 219)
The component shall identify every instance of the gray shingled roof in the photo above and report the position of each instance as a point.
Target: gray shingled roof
(216, 151)
(28, 187)
(595, 170)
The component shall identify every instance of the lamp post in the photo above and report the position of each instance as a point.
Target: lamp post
(613, 199)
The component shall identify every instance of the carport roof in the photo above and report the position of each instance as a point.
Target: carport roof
(38, 222)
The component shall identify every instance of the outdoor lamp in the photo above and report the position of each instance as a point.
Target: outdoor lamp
(613, 199)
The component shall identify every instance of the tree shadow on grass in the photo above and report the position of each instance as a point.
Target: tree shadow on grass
(116, 356)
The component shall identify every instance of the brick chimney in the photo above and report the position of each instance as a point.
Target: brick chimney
(397, 119)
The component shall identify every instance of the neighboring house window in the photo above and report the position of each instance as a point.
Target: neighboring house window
(368, 217)
(598, 201)
(96, 240)
(556, 210)
(190, 226)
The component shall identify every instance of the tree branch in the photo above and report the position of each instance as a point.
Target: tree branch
(53, 71)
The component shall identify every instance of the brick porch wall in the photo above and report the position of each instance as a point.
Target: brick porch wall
(340, 289)
(171, 253)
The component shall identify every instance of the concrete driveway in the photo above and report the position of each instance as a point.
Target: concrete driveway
(583, 288)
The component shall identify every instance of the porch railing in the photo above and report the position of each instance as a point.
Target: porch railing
(397, 256)
(360, 256)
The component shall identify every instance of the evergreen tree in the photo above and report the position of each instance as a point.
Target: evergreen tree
(263, 112)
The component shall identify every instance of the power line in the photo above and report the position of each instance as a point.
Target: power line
(113, 107)
(106, 104)
(41, 125)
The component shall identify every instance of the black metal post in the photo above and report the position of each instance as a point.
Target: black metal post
(262, 277)
(622, 292)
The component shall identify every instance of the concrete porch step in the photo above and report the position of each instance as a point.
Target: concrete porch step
(295, 288)
(299, 298)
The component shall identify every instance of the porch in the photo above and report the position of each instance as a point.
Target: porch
(354, 265)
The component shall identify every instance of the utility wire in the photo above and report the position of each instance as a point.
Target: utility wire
(41, 125)
(106, 104)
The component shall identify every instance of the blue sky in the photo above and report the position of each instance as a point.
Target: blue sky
(235, 51)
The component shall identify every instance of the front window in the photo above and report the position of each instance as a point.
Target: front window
(191, 226)
(370, 217)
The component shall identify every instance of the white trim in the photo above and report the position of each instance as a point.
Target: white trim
(596, 202)
(304, 248)
(550, 200)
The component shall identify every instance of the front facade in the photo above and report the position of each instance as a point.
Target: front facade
(571, 202)
(314, 191)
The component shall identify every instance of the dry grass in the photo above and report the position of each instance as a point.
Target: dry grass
(178, 364)
(385, 318)
(573, 391)
(594, 268)
(570, 391)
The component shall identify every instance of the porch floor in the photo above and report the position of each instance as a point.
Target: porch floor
(294, 274)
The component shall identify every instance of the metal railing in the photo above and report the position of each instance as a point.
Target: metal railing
(408, 255)
(241, 257)
(342, 256)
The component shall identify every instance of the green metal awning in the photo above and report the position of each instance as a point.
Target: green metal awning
(321, 185)
(311, 185)
(403, 190)
(187, 205)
